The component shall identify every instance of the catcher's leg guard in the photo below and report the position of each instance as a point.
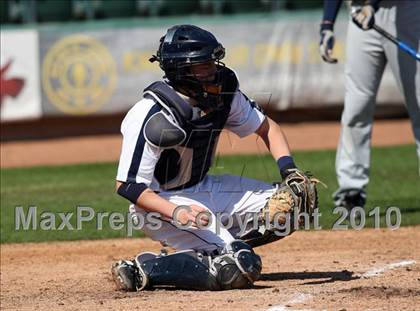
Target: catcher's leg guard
(184, 269)
(236, 267)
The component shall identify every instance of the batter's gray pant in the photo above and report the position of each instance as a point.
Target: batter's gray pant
(367, 53)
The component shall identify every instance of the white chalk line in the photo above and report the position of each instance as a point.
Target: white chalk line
(299, 298)
(283, 308)
(380, 270)
(376, 271)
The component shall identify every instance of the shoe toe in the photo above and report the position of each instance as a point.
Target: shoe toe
(124, 276)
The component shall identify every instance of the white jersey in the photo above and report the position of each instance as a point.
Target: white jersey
(139, 157)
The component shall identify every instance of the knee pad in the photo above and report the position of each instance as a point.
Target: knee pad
(237, 267)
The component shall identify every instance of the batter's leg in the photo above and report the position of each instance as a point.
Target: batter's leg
(404, 22)
(363, 72)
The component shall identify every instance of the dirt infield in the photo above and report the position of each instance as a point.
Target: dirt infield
(105, 148)
(342, 270)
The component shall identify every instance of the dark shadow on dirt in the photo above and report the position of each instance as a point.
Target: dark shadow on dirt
(173, 288)
(326, 276)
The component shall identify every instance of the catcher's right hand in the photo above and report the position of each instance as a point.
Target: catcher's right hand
(296, 194)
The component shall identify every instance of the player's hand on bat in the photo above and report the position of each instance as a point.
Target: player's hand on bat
(191, 215)
(326, 46)
(364, 17)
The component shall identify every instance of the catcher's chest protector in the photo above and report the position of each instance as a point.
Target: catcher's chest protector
(187, 163)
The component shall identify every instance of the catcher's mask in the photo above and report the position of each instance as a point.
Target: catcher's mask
(190, 57)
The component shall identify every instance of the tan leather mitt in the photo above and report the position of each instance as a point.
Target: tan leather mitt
(296, 194)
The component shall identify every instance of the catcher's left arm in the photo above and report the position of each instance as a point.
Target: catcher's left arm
(297, 192)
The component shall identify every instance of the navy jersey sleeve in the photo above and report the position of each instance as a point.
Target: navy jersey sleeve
(375, 3)
(331, 8)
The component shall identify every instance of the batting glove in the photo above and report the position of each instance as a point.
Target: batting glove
(364, 17)
(326, 44)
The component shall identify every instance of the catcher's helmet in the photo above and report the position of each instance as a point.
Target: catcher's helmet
(184, 46)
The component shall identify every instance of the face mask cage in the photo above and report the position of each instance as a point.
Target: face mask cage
(208, 94)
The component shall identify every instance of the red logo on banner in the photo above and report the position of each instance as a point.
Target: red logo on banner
(9, 87)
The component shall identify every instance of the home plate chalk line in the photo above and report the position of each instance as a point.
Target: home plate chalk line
(380, 270)
(299, 298)
(373, 272)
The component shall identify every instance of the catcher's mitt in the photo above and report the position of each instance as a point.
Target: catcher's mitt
(296, 194)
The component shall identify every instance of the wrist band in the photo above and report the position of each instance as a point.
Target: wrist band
(285, 163)
(326, 25)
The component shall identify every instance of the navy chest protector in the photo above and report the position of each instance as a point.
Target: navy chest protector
(198, 134)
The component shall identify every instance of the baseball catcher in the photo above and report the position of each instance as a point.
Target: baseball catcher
(169, 139)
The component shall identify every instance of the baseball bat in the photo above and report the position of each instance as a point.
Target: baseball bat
(402, 45)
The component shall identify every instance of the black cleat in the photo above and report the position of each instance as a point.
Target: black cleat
(350, 199)
(126, 276)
